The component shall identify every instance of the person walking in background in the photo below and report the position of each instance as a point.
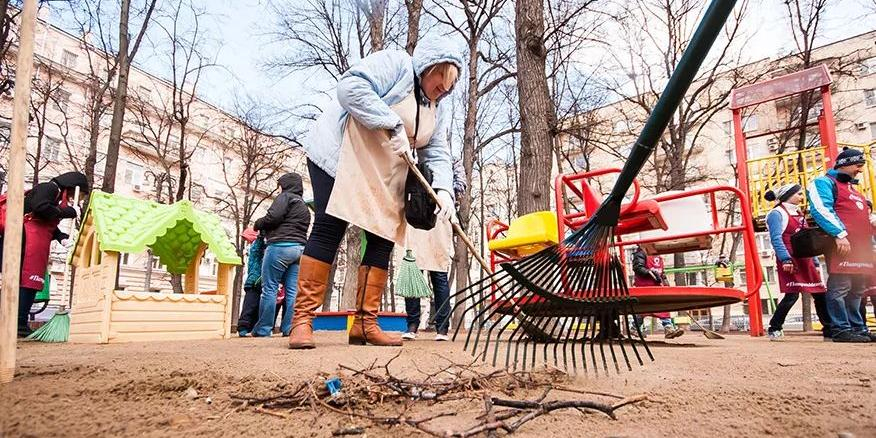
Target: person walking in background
(285, 232)
(649, 271)
(252, 285)
(841, 211)
(435, 248)
(796, 274)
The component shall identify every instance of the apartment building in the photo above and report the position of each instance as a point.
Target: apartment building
(66, 68)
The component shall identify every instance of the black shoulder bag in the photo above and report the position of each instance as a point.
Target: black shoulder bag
(813, 241)
(419, 206)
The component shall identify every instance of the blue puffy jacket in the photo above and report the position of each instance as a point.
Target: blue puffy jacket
(254, 262)
(820, 193)
(367, 91)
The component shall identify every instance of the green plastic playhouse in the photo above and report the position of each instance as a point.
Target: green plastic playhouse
(178, 234)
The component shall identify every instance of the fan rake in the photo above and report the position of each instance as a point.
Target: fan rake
(571, 301)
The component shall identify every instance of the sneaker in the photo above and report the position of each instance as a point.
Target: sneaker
(441, 337)
(776, 336)
(849, 337)
(672, 333)
(409, 336)
(243, 333)
(868, 334)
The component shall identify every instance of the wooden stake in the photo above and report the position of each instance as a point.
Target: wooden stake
(15, 194)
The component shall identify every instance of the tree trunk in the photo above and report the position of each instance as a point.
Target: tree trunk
(176, 281)
(536, 109)
(147, 282)
(351, 268)
(330, 288)
(807, 311)
(237, 288)
(121, 96)
(460, 255)
(415, 9)
(375, 20)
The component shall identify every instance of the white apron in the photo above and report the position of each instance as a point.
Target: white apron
(433, 249)
(370, 180)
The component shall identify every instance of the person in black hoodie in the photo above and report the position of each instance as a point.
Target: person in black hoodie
(285, 229)
(44, 207)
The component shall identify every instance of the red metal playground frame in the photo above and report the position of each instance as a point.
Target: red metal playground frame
(644, 214)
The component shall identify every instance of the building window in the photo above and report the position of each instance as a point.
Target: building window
(872, 130)
(134, 176)
(868, 66)
(52, 149)
(771, 274)
(742, 280)
(749, 123)
(68, 58)
(728, 128)
(127, 259)
(870, 97)
(62, 99)
(620, 126)
(144, 93)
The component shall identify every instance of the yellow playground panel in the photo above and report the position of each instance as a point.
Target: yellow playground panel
(527, 234)
(800, 167)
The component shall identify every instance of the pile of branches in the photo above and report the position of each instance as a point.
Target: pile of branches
(375, 396)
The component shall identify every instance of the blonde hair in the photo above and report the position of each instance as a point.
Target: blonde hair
(448, 72)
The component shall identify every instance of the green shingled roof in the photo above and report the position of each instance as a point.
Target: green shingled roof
(174, 231)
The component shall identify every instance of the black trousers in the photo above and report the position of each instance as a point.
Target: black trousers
(26, 297)
(328, 231)
(788, 301)
(250, 312)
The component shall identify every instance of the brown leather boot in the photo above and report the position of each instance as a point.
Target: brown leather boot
(365, 329)
(313, 278)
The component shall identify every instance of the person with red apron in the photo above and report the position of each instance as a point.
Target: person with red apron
(841, 211)
(648, 270)
(44, 207)
(386, 105)
(796, 274)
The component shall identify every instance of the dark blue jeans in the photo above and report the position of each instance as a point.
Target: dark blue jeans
(279, 265)
(441, 290)
(843, 296)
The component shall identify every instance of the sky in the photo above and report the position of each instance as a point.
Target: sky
(240, 36)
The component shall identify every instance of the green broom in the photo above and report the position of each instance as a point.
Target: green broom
(56, 330)
(411, 283)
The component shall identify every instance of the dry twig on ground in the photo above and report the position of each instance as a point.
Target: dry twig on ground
(378, 397)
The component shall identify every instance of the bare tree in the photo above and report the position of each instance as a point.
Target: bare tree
(124, 57)
(250, 168)
(537, 115)
(415, 11)
(479, 20)
(95, 24)
(49, 106)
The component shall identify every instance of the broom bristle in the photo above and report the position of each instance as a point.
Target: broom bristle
(411, 283)
(57, 329)
(569, 303)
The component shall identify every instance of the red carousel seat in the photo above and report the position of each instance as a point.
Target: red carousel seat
(653, 299)
(644, 215)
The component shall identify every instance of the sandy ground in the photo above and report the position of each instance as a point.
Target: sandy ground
(696, 387)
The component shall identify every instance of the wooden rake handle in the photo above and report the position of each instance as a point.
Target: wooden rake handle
(456, 228)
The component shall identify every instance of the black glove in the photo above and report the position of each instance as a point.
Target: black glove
(68, 212)
(60, 236)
